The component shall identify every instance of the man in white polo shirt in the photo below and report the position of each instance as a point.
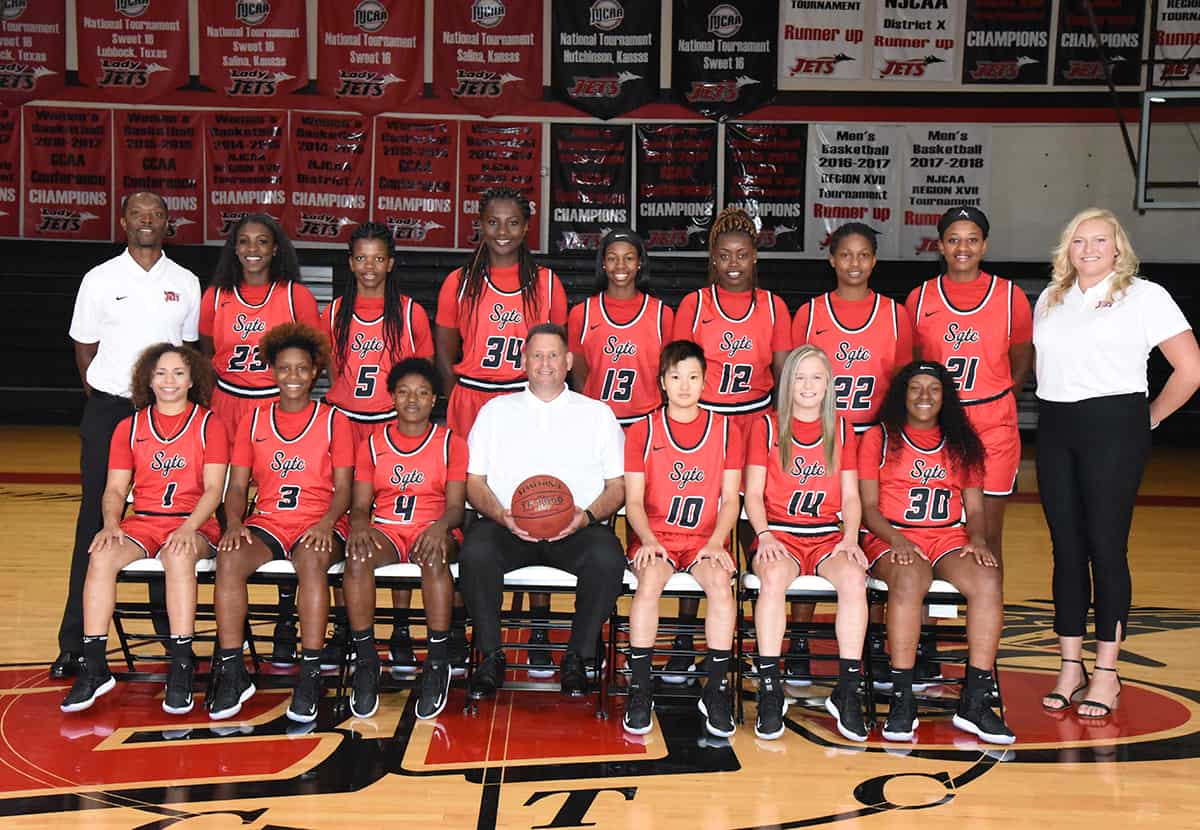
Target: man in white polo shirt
(133, 300)
(545, 430)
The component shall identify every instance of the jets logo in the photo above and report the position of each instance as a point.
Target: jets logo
(673, 237)
(720, 92)
(363, 83)
(322, 225)
(63, 220)
(21, 75)
(407, 229)
(480, 83)
(914, 68)
(127, 74)
(609, 87)
(818, 66)
(255, 82)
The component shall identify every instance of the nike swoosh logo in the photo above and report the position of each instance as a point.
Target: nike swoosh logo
(709, 320)
(259, 440)
(656, 449)
(820, 331)
(121, 298)
(930, 313)
(140, 440)
(593, 327)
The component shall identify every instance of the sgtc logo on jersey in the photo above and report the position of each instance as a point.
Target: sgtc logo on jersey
(803, 470)
(487, 13)
(683, 475)
(502, 316)
(132, 8)
(244, 325)
(725, 21)
(370, 15)
(849, 355)
(252, 12)
(923, 472)
(913, 68)
(164, 464)
(619, 348)
(732, 345)
(480, 83)
(402, 478)
(958, 336)
(283, 465)
(363, 345)
(818, 66)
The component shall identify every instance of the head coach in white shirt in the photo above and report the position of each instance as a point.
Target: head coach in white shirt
(545, 430)
(1094, 328)
(124, 305)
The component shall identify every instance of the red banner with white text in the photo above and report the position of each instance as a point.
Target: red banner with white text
(328, 175)
(487, 56)
(163, 151)
(244, 168)
(498, 155)
(10, 171)
(415, 183)
(253, 50)
(371, 53)
(68, 190)
(33, 49)
(135, 48)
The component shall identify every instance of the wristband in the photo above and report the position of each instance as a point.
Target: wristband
(591, 517)
(761, 532)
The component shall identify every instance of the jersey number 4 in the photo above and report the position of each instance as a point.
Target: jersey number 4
(618, 385)
(502, 350)
(405, 507)
(851, 393)
(927, 504)
(245, 358)
(685, 512)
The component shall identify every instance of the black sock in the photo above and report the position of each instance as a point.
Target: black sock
(458, 616)
(640, 662)
(223, 654)
(718, 665)
(978, 679)
(181, 647)
(94, 651)
(439, 642)
(849, 671)
(310, 661)
(768, 671)
(364, 644)
(902, 680)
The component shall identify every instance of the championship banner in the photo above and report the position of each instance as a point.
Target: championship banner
(1007, 42)
(371, 53)
(676, 185)
(328, 175)
(415, 182)
(723, 64)
(253, 49)
(1077, 57)
(589, 184)
(498, 155)
(823, 44)
(605, 54)
(68, 191)
(487, 54)
(1177, 44)
(915, 41)
(163, 151)
(243, 166)
(138, 48)
(33, 49)
(764, 175)
(10, 171)
(853, 176)
(944, 167)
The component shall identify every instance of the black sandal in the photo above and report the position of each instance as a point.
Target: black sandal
(1108, 710)
(1066, 700)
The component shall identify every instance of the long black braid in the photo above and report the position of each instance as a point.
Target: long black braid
(393, 319)
(476, 271)
(964, 445)
(285, 265)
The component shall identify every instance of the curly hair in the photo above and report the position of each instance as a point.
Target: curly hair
(295, 336)
(731, 220)
(204, 377)
(1062, 273)
(961, 440)
(393, 319)
(783, 405)
(476, 270)
(285, 265)
(414, 366)
(642, 281)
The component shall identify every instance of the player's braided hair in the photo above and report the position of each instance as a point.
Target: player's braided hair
(393, 319)
(285, 265)
(731, 220)
(475, 272)
(961, 440)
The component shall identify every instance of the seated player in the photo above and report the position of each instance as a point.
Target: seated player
(919, 471)
(301, 456)
(800, 477)
(412, 476)
(682, 474)
(174, 452)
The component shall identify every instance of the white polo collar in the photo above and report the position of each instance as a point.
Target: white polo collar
(559, 401)
(1099, 288)
(155, 269)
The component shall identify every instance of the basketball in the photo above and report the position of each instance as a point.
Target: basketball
(542, 506)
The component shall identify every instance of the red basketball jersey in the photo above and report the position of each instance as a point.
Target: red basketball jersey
(294, 475)
(806, 499)
(358, 384)
(972, 343)
(622, 358)
(410, 487)
(238, 325)
(168, 471)
(919, 483)
(864, 359)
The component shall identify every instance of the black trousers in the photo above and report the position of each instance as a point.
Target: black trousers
(592, 554)
(1090, 459)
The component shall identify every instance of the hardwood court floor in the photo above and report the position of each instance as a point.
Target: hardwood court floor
(534, 760)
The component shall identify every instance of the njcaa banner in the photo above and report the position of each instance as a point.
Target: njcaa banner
(676, 185)
(589, 184)
(605, 54)
(10, 171)
(1077, 58)
(723, 64)
(764, 175)
(944, 167)
(68, 191)
(1177, 44)
(136, 48)
(370, 53)
(498, 155)
(854, 175)
(328, 175)
(916, 40)
(163, 151)
(1007, 42)
(243, 166)
(253, 49)
(487, 54)
(33, 49)
(415, 181)
(820, 41)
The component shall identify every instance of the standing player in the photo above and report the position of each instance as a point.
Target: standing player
(920, 471)
(301, 455)
(800, 478)
(410, 483)
(174, 454)
(682, 473)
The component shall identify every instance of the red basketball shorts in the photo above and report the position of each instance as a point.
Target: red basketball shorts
(996, 424)
(808, 551)
(934, 542)
(150, 532)
(682, 549)
(464, 406)
(286, 531)
(232, 408)
(403, 537)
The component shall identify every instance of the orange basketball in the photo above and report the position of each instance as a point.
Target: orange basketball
(542, 506)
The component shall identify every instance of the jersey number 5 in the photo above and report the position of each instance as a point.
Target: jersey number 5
(364, 386)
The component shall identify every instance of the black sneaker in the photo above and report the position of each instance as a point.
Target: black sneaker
(336, 650)
(178, 698)
(303, 708)
(718, 714)
(435, 689)
(284, 642)
(488, 676)
(231, 688)
(902, 719)
(541, 660)
(400, 652)
(975, 715)
(771, 706)
(638, 707)
(796, 665)
(846, 707)
(457, 650)
(364, 688)
(574, 681)
(681, 668)
(90, 683)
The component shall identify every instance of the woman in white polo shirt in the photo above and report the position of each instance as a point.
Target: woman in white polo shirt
(1094, 328)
